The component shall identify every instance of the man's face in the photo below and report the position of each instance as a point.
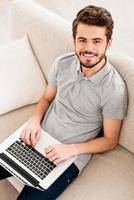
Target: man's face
(91, 44)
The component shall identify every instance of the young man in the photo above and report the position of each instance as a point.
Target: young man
(84, 94)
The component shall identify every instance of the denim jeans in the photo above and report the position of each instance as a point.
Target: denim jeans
(29, 193)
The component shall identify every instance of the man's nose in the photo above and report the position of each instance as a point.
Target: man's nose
(89, 47)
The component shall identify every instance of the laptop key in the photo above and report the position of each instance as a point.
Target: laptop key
(31, 158)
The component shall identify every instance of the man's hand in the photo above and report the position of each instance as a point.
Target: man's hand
(60, 152)
(31, 133)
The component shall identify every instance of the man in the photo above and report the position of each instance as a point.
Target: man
(84, 94)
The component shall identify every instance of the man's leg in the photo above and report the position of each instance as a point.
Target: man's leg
(4, 173)
(54, 190)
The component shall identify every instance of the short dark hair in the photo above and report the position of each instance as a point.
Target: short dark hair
(94, 15)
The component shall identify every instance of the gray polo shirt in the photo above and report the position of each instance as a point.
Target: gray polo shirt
(77, 112)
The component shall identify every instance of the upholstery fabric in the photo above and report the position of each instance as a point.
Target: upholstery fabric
(107, 176)
(125, 66)
(50, 34)
(21, 79)
(10, 121)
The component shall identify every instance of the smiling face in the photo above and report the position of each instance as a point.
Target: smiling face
(91, 44)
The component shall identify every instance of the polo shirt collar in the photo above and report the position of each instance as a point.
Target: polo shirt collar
(98, 76)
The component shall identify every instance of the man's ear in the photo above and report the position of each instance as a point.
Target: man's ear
(109, 43)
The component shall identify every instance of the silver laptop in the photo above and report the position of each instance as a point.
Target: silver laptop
(28, 164)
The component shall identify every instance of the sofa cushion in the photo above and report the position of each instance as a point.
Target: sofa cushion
(11, 121)
(107, 176)
(21, 80)
(50, 34)
(125, 66)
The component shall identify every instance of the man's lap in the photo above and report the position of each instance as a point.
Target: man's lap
(29, 193)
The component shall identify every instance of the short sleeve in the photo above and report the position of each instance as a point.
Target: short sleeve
(115, 105)
(53, 73)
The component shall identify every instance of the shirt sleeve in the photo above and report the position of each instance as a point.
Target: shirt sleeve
(53, 73)
(115, 105)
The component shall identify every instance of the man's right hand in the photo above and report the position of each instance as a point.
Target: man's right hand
(31, 133)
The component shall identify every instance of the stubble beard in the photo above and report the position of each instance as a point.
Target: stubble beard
(91, 65)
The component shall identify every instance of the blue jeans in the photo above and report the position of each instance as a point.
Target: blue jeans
(29, 193)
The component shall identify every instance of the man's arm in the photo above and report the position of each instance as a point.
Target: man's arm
(31, 133)
(58, 153)
(107, 142)
(44, 103)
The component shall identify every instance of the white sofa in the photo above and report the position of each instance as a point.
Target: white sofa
(108, 176)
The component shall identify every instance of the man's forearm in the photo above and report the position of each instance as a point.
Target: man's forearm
(41, 109)
(94, 146)
(64, 151)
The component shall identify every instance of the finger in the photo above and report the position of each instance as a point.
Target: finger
(53, 158)
(49, 155)
(57, 161)
(33, 139)
(48, 149)
(37, 136)
(22, 135)
(27, 137)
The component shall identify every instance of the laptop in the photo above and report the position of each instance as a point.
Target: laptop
(29, 164)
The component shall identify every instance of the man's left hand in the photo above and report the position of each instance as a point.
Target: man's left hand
(59, 152)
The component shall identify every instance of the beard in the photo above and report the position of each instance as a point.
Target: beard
(88, 63)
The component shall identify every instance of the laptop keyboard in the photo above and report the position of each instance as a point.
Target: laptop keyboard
(31, 158)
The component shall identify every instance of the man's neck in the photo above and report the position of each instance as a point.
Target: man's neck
(90, 71)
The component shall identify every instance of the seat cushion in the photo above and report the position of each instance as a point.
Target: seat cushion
(9, 122)
(108, 176)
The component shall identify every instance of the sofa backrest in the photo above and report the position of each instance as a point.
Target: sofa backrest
(125, 66)
(50, 36)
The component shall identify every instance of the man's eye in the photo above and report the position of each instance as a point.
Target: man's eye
(82, 41)
(97, 41)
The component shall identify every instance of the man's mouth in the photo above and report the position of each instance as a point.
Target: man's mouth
(88, 54)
